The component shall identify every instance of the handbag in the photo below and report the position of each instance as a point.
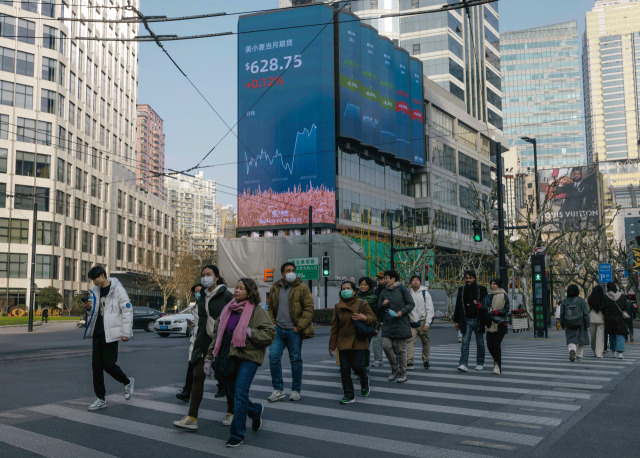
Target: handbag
(625, 315)
(211, 322)
(363, 330)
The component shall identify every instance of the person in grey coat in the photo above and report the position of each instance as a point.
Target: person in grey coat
(396, 302)
(576, 327)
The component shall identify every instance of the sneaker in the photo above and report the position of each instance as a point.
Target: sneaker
(459, 339)
(572, 355)
(579, 358)
(275, 396)
(378, 364)
(256, 422)
(426, 365)
(233, 442)
(393, 376)
(410, 366)
(347, 400)
(365, 391)
(98, 404)
(186, 423)
(184, 396)
(128, 389)
(402, 378)
(479, 367)
(462, 368)
(620, 355)
(496, 369)
(228, 419)
(294, 396)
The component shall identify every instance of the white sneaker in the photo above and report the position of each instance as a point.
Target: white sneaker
(228, 419)
(479, 367)
(275, 396)
(496, 369)
(128, 389)
(462, 368)
(98, 404)
(619, 355)
(186, 423)
(294, 396)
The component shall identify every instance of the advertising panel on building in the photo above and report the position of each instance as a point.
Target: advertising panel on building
(350, 76)
(573, 193)
(387, 96)
(403, 111)
(286, 106)
(370, 104)
(417, 108)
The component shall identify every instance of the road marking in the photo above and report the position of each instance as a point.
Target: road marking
(13, 416)
(45, 445)
(517, 425)
(156, 433)
(508, 448)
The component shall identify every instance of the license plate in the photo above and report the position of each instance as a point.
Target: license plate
(163, 328)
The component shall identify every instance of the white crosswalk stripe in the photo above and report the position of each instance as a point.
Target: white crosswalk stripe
(438, 412)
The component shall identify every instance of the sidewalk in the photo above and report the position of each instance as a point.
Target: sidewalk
(38, 327)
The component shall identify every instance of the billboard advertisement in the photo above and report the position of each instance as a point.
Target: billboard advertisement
(286, 102)
(417, 108)
(403, 104)
(573, 195)
(387, 95)
(370, 104)
(350, 76)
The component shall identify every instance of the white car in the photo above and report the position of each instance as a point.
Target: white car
(176, 324)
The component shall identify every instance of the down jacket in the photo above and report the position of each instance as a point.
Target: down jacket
(301, 306)
(221, 297)
(343, 331)
(400, 300)
(614, 323)
(118, 312)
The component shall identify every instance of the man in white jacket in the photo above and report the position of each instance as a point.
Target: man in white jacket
(420, 317)
(110, 320)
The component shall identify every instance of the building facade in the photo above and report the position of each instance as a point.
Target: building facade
(611, 73)
(67, 141)
(542, 95)
(150, 151)
(194, 201)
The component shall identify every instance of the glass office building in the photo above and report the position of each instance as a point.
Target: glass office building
(542, 94)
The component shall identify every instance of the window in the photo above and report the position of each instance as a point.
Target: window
(48, 101)
(467, 166)
(130, 253)
(4, 126)
(101, 245)
(69, 269)
(442, 122)
(26, 130)
(26, 195)
(3, 195)
(27, 31)
(86, 242)
(60, 203)
(131, 229)
(48, 233)
(416, 48)
(85, 266)
(13, 265)
(119, 251)
(62, 70)
(24, 63)
(61, 105)
(69, 239)
(31, 164)
(444, 190)
(24, 96)
(467, 136)
(7, 60)
(48, 69)
(43, 136)
(119, 225)
(47, 266)
(443, 155)
(6, 93)
(14, 230)
(3, 160)
(30, 5)
(7, 26)
(94, 216)
(49, 37)
(48, 8)
(446, 221)
(485, 175)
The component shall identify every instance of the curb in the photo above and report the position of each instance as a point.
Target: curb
(35, 323)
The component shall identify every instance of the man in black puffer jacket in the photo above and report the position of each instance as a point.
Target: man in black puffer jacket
(468, 316)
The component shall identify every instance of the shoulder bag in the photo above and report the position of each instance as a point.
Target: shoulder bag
(211, 322)
(363, 330)
(625, 315)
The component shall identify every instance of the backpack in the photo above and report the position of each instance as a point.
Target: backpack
(573, 315)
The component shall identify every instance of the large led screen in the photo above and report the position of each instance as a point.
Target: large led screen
(403, 104)
(417, 107)
(286, 134)
(370, 105)
(350, 77)
(387, 96)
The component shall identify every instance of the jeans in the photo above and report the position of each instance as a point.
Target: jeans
(242, 405)
(376, 342)
(352, 359)
(292, 341)
(103, 358)
(597, 339)
(472, 327)
(494, 341)
(398, 364)
(616, 342)
(426, 344)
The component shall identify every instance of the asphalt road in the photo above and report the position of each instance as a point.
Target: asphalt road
(541, 405)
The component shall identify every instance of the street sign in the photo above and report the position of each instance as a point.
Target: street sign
(539, 250)
(307, 268)
(605, 274)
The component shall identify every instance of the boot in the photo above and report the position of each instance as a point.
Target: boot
(221, 392)
(184, 395)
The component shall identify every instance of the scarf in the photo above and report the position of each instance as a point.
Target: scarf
(245, 309)
(497, 303)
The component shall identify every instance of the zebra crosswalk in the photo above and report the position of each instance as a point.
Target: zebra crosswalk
(438, 412)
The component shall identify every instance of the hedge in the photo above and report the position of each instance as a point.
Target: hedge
(323, 316)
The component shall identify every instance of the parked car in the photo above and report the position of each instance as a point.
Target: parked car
(175, 324)
(145, 317)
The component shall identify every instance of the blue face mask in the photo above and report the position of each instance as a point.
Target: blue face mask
(197, 295)
(346, 293)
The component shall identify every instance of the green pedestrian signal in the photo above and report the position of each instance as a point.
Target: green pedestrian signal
(538, 277)
(477, 230)
(326, 266)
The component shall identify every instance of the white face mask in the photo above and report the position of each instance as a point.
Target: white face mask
(207, 282)
(290, 277)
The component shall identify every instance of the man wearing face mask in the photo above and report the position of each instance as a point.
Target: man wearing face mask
(291, 310)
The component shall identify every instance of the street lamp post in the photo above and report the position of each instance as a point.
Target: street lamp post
(535, 168)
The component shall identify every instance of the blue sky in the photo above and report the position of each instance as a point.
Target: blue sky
(192, 128)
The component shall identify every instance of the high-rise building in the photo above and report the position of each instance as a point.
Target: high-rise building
(611, 72)
(194, 201)
(542, 94)
(67, 137)
(150, 151)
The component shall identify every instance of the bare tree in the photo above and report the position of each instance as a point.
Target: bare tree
(154, 277)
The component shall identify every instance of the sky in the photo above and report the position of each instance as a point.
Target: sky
(191, 126)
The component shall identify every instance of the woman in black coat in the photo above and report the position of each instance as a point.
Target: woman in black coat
(615, 305)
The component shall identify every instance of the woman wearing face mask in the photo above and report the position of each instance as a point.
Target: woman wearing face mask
(343, 337)
(496, 305)
(185, 394)
(213, 297)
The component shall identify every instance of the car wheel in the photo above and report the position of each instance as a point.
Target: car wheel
(163, 334)
(149, 326)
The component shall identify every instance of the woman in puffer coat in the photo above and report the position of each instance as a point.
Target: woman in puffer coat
(614, 322)
(343, 338)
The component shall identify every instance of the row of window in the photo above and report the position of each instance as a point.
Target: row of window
(44, 7)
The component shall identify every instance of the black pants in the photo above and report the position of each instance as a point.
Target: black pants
(189, 380)
(228, 382)
(352, 359)
(494, 340)
(104, 358)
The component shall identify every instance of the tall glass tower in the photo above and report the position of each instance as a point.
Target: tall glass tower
(542, 95)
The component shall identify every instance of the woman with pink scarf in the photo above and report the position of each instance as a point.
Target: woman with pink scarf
(240, 339)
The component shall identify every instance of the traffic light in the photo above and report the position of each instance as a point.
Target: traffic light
(477, 230)
(326, 266)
